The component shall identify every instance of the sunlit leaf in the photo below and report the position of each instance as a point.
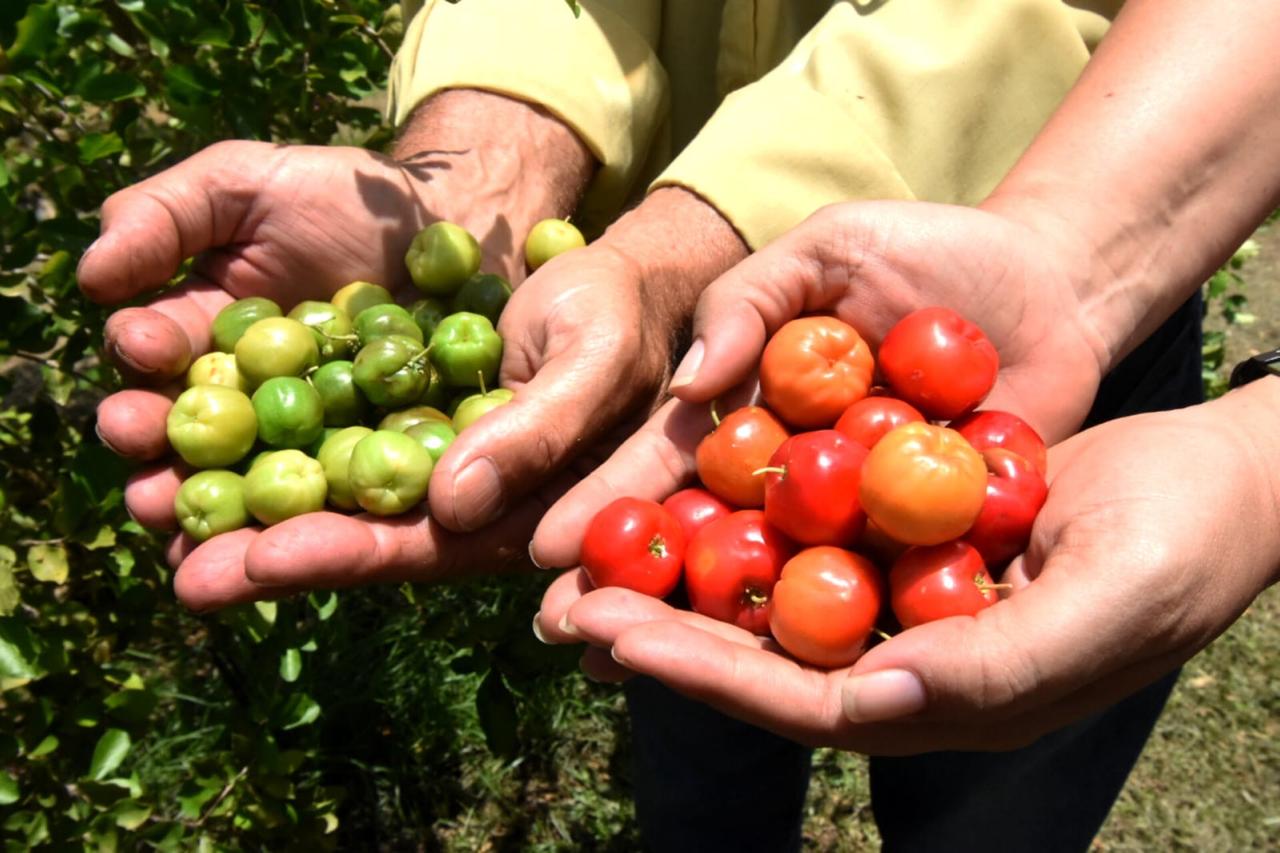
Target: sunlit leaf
(36, 33)
(110, 752)
(291, 665)
(298, 710)
(96, 146)
(48, 562)
(9, 791)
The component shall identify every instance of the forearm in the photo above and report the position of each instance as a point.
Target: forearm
(1159, 162)
(510, 161)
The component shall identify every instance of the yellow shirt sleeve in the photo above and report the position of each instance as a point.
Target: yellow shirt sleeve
(597, 72)
(931, 99)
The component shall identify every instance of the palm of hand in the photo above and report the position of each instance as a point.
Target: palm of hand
(878, 261)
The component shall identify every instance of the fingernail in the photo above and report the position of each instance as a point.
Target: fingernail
(534, 560)
(566, 628)
(481, 487)
(613, 653)
(537, 629)
(97, 430)
(688, 369)
(884, 695)
(89, 250)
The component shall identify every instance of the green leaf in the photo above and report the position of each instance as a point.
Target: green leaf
(104, 538)
(130, 814)
(47, 745)
(268, 610)
(193, 796)
(131, 706)
(291, 665)
(123, 560)
(190, 85)
(112, 747)
(216, 34)
(36, 33)
(325, 606)
(120, 46)
(110, 87)
(9, 791)
(48, 562)
(19, 654)
(496, 708)
(10, 598)
(298, 710)
(95, 146)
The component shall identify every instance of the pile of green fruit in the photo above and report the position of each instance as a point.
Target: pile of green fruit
(349, 402)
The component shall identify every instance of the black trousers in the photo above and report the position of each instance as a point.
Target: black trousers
(705, 782)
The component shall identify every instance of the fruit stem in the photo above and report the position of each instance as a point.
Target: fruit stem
(715, 416)
(780, 471)
(983, 586)
(418, 359)
(480, 376)
(658, 546)
(882, 634)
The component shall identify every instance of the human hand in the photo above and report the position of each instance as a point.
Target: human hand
(294, 223)
(869, 263)
(1158, 532)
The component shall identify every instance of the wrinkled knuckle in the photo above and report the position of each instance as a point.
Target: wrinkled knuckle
(1007, 676)
(665, 458)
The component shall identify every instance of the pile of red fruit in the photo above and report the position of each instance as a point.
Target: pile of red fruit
(838, 495)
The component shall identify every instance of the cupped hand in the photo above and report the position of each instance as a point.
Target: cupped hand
(869, 263)
(1158, 532)
(581, 352)
(289, 223)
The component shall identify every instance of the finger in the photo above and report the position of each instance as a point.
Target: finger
(326, 550)
(599, 665)
(652, 464)
(132, 423)
(563, 592)
(149, 494)
(738, 312)
(149, 229)
(212, 576)
(602, 615)
(157, 343)
(510, 451)
(744, 682)
(178, 549)
(1048, 640)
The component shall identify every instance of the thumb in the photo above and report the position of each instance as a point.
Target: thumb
(149, 229)
(740, 310)
(1029, 651)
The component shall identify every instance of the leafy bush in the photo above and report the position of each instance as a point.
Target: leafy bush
(125, 721)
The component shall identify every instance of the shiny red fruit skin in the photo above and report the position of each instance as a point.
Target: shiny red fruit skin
(992, 428)
(814, 500)
(825, 606)
(867, 420)
(930, 582)
(729, 455)
(695, 508)
(731, 566)
(938, 362)
(635, 544)
(1015, 493)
